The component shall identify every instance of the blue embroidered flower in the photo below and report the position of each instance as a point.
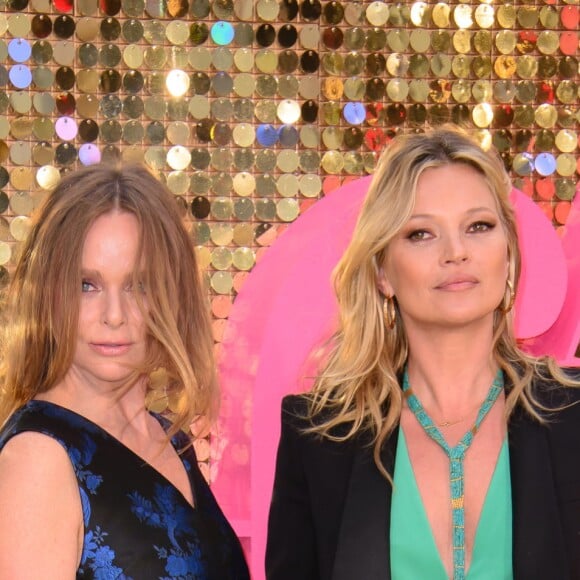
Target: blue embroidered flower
(93, 481)
(81, 459)
(182, 565)
(144, 511)
(104, 557)
(90, 545)
(176, 566)
(99, 557)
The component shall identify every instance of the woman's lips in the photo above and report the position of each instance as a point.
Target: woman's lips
(110, 348)
(457, 284)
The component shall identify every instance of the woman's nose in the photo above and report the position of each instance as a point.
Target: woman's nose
(455, 249)
(114, 309)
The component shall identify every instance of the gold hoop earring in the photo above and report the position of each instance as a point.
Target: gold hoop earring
(390, 312)
(509, 297)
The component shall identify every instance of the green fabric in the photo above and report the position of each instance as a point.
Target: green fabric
(414, 554)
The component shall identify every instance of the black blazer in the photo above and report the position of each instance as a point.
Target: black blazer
(329, 517)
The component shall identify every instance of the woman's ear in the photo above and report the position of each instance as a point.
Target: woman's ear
(383, 284)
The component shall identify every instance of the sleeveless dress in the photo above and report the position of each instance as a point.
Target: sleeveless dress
(137, 525)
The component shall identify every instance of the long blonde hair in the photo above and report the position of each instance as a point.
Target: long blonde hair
(358, 387)
(41, 306)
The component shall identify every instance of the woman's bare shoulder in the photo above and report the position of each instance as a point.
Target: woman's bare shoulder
(33, 453)
(40, 509)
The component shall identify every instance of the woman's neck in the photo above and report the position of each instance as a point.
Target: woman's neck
(450, 371)
(121, 412)
(115, 410)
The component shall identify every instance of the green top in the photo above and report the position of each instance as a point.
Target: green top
(413, 550)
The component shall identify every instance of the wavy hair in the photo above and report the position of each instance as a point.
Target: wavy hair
(41, 305)
(358, 387)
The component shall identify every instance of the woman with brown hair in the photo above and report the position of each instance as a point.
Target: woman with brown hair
(105, 295)
(430, 446)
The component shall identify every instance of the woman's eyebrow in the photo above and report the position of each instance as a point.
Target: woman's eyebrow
(470, 211)
(95, 274)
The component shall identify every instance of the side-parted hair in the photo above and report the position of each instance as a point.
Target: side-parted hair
(41, 306)
(357, 387)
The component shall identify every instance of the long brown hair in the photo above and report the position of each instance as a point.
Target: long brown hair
(358, 386)
(42, 302)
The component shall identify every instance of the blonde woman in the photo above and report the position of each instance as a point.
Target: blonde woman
(93, 485)
(430, 445)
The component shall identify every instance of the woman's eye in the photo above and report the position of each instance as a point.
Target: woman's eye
(87, 286)
(418, 235)
(481, 227)
(140, 287)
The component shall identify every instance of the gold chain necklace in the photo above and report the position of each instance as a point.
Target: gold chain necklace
(450, 423)
(445, 423)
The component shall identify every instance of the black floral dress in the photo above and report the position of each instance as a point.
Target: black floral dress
(137, 525)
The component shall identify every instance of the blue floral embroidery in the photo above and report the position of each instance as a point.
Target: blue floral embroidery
(99, 557)
(165, 511)
(182, 565)
(88, 481)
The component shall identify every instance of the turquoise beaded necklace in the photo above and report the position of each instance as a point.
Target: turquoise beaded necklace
(456, 456)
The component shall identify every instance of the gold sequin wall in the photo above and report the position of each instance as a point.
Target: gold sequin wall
(252, 110)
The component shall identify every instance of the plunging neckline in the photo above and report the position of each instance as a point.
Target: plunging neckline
(164, 424)
(407, 474)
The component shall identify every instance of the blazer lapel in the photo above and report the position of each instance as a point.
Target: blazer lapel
(538, 541)
(363, 544)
